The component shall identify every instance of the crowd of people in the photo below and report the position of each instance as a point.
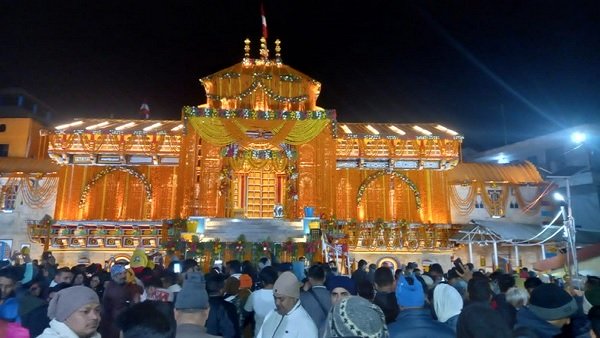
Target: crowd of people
(272, 299)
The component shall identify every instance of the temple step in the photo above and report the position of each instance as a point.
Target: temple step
(255, 230)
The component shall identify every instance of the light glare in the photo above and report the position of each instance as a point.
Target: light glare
(578, 137)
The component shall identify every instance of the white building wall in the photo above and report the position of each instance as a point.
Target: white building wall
(13, 224)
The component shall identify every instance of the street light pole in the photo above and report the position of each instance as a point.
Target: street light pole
(570, 231)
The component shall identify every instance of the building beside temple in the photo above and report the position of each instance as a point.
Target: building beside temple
(28, 178)
(258, 163)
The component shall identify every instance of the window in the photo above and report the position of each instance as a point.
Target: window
(2, 127)
(9, 197)
(3, 150)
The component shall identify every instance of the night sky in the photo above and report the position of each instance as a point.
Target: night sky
(492, 70)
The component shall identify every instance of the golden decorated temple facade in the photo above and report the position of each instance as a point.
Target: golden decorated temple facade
(261, 149)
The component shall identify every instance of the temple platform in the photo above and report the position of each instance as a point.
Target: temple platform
(254, 229)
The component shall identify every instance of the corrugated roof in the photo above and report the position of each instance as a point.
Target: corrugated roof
(522, 173)
(396, 131)
(107, 126)
(26, 165)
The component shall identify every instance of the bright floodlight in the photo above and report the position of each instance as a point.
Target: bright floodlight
(578, 137)
(559, 197)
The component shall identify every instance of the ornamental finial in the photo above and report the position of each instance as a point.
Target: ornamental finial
(264, 52)
(278, 50)
(247, 48)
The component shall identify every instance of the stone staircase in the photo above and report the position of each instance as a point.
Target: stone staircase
(255, 230)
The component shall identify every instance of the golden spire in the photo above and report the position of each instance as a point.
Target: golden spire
(247, 48)
(278, 51)
(264, 52)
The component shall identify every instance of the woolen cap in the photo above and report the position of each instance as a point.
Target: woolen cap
(117, 269)
(356, 317)
(193, 294)
(67, 301)
(341, 282)
(409, 295)
(550, 302)
(287, 284)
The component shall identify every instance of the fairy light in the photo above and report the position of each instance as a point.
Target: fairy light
(96, 126)
(397, 130)
(125, 126)
(346, 129)
(446, 130)
(67, 125)
(372, 130)
(422, 130)
(153, 126)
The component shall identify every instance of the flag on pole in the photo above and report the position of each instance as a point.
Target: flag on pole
(264, 21)
(145, 111)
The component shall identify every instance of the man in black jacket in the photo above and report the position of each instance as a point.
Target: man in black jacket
(222, 319)
(385, 297)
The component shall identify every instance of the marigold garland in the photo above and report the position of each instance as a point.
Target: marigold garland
(396, 174)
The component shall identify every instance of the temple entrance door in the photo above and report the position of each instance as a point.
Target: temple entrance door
(260, 196)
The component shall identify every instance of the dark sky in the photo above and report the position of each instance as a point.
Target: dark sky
(459, 63)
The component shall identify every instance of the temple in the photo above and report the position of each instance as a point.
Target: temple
(261, 165)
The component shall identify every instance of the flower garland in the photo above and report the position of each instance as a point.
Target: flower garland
(108, 170)
(37, 195)
(465, 205)
(292, 182)
(251, 114)
(263, 154)
(288, 247)
(396, 174)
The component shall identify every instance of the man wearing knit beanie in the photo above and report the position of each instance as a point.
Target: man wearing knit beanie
(550, 308)
(74, 312)
(289, 319)
(118, 296)
(191, 307)
(341, 287)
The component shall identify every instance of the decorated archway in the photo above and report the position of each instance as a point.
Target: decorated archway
(108, 170)
(395, 174)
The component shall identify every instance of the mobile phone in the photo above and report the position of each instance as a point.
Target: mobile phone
(177, 267)
(459, 265)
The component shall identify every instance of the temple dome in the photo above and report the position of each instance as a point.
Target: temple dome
(261, 84)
